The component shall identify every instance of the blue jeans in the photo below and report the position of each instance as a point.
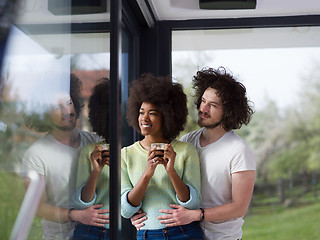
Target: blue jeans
(87, 232)
(184, 232)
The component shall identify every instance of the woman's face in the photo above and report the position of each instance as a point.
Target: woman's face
(150, 120)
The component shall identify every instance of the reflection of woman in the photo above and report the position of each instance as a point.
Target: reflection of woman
(93, 176)
(157, 109)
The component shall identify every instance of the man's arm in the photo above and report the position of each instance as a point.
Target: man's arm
(48, 211)
(91, 216)
(242, 188)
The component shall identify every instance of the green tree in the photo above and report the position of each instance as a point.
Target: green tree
(264, 135)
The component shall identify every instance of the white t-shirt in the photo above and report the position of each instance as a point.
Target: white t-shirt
(58, 164)
(218, 161)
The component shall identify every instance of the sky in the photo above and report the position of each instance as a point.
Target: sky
(34, 73)
(274, 73)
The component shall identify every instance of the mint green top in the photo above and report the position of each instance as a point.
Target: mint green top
(160, 191)
(84, 171)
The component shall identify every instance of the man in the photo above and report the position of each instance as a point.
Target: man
(226, 161)
(55, 158)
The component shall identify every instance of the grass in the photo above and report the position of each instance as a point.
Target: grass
(10, 200)
(301, 223)
(265, 220)
(11, 196)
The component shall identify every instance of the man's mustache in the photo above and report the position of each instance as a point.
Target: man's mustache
(203, 113)
(66, 116)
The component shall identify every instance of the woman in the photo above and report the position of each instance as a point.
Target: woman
(93, 175)
(151, 179)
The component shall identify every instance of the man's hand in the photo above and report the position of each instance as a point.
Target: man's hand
(138, 219)
(93, 215)
(178, 216)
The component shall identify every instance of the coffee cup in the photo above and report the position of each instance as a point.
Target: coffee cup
(158, 147)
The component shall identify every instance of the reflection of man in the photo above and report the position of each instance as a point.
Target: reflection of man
(227, 163)
(55, 157)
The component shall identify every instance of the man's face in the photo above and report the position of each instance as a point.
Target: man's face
(63, 114)
(211, 109)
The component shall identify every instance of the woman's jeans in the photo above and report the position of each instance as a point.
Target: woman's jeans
(87, 232)
(189, 231)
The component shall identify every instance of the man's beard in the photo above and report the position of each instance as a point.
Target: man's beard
(207, 125)
(68, 127)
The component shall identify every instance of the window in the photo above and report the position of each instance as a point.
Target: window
(43, 49)
(280, 69)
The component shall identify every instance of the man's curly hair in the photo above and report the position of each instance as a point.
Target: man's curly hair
(41, 122)
(99, 109)
(236, 109)
(168, 96)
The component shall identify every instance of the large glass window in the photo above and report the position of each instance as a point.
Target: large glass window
(280, 69)
(41, 54)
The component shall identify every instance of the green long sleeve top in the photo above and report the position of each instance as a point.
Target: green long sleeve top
(83, 173)
(160, 191)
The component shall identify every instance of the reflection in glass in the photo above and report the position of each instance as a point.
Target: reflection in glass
(29, 205)
(36, 87)
(55, 156)
(280, 69)
(93, 169)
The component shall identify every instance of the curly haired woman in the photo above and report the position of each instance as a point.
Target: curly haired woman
(151, 179)
(93, 172)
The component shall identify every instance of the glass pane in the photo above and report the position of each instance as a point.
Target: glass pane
(280, 69)
(47, 80)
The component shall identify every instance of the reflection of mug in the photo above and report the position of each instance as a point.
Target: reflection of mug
(105, 147)
(158, 147)
(104, 154)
